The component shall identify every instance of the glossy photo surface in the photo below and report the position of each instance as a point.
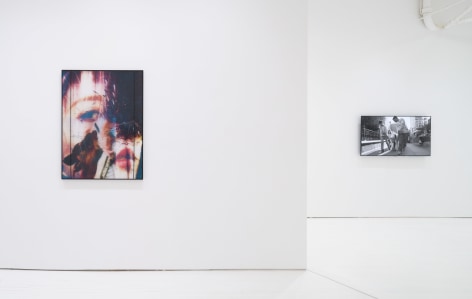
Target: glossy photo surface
(395, 136)
(102, 124)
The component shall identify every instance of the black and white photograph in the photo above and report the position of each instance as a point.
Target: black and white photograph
(395, 136)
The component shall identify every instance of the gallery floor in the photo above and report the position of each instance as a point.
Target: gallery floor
(347, 258)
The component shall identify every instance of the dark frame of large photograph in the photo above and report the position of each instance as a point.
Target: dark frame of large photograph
(102, 124)
(395, 136)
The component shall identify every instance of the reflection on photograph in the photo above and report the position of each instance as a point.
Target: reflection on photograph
(102, 125)
(395, 136)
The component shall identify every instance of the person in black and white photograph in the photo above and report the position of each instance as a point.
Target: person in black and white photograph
(395, 136)
(383, 136)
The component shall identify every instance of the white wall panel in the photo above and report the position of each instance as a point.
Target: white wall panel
(377, 58)
(224, 135)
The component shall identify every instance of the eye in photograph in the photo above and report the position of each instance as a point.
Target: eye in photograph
(90, 116)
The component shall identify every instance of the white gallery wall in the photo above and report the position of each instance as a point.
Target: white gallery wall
(224, 135)
(377, 58)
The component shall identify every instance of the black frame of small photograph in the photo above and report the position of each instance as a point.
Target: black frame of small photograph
(395, 135)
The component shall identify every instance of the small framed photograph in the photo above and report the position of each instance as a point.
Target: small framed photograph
(102, 124)
(395, 136)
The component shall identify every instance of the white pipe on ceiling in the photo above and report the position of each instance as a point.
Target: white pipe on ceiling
(427, 15)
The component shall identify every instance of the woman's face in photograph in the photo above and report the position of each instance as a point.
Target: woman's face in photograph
(82, 107)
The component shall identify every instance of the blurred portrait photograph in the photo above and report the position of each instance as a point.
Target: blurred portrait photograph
(102, 124)
(395, 136)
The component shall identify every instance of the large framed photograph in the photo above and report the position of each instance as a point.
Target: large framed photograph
(102, 124)
(395, 136)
